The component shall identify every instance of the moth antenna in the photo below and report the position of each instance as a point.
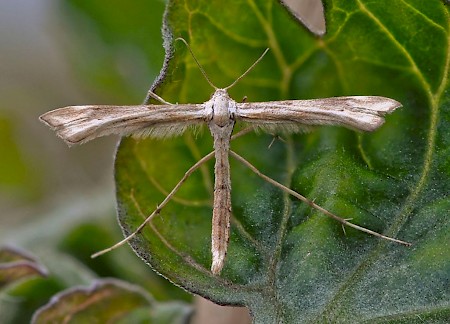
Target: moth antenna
(248, 70)
(197, 62)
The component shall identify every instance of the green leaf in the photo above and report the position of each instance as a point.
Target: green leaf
(109, 301)
(16, 265)
(286, 262)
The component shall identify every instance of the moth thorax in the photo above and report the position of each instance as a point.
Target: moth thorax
(224, 108)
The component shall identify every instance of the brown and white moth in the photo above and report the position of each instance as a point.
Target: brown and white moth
(79, 124)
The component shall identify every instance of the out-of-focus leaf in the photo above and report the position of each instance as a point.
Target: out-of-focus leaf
(18, 272)
(105, 301)
(16, 265)
(286, 262)
(87, 238)
(19, 302)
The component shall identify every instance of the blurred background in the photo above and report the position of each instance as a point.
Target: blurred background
(52, 55)
(57, 202)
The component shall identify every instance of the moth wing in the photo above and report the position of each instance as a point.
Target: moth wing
(364, 113)
(79, 124)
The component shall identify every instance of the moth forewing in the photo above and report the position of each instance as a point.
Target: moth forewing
(364, 113)
(79, 124)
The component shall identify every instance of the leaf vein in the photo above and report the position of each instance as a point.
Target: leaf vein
(427, 19)
(403, 50)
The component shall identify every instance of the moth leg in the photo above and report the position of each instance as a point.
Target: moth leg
(311, 203)
(160, 206)
(274, 138)
(151, 94)
(168, 197)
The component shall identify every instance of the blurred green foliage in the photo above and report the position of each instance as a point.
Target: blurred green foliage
(119, 46)
(17, 178)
